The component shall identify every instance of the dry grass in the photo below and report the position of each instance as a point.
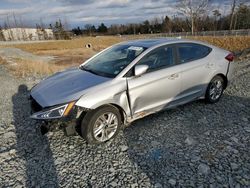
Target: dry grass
(73, 52)
(98, 44)
(229, 43)
(2, 61)
(77, 46)
(25, 68)
(67, 53)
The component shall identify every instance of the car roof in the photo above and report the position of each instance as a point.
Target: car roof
(148, 43)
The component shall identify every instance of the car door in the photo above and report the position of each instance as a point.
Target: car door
(159, 86)
(194, 68)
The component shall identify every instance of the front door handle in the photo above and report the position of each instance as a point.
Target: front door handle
(173, 76)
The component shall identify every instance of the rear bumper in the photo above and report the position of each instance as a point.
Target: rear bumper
(231, 66)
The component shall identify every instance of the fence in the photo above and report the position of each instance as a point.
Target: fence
(26, 34)
(245, 32)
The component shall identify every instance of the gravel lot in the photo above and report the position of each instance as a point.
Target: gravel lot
(195, 145)
(12, 54)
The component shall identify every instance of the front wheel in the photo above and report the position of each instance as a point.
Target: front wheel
(101, 125)
(215, 90)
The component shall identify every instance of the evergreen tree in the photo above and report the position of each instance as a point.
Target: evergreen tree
(102, 28)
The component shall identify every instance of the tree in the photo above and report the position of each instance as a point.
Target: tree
(232, 14)
(102, 28)
(88, 28)
(77, 31)
(217, 15)
(2, 38)
(192, 9)
(45, 35)
(114, 29)
(243, 15)
(50, 26)
(59, 31)
(145, 28)
(39, 31)
(156, 25)
(93, 29)
(166, 24)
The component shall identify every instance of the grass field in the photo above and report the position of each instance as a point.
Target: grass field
(76, 46)
(73, 52)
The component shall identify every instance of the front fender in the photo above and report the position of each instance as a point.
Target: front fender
(112, 93)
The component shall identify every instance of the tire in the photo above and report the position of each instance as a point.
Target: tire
(101, 125)
(215, 90)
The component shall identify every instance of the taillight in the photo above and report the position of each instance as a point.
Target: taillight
(230, 57)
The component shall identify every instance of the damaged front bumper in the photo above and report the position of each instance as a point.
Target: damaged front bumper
(70, 122)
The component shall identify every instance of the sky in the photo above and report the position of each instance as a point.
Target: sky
(81, 12)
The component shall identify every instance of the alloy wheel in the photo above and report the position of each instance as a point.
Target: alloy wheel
(105, 126)
(216, 89)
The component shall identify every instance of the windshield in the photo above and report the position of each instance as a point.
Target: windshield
(111, 62)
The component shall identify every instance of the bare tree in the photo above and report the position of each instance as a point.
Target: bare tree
(43, 30)
(217, 15)
(232, 14)
(88, 28)
(2, 38)
(23, 30)
(16, 25)
(10, 32)
(193, 9)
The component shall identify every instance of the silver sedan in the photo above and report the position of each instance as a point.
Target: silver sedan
(128, 81)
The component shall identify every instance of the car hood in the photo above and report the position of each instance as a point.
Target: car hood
(65, 87)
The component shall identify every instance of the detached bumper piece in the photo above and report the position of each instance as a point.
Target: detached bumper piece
(69, 127)
(67, 124)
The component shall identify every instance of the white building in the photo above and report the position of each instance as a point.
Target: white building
(27, 34)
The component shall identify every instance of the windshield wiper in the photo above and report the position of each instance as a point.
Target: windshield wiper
(88, 70)
(97, 73)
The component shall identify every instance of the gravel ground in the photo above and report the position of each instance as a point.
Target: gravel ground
(6, 43)
(195, 145)
(13, 54)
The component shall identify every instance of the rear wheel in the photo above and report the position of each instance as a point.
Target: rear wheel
(215, 90)
(101, 125)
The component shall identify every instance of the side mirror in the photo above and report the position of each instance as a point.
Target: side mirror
(140, 69)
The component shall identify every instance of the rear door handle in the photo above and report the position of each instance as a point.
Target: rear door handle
(173, 76)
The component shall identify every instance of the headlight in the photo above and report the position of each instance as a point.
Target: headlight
(54, 113)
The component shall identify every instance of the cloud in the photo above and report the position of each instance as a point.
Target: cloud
(18, 1)
(6, 12)
(81, 12)
(76, 2)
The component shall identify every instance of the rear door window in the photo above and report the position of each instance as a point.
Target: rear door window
(190, 52)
